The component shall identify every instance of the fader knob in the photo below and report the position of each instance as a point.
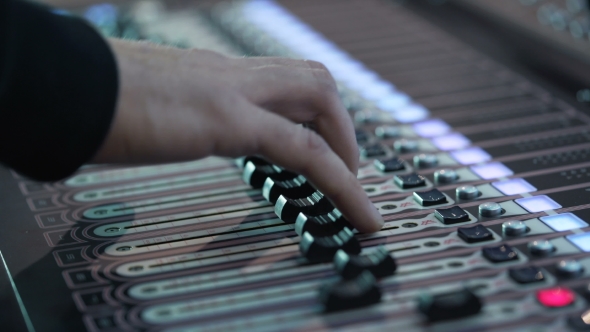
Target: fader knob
(323, 249)
(314, 205)
(451, 305)
(380, 263)
(348, 294)
(323, 225)
(255, 173)
(297, 187)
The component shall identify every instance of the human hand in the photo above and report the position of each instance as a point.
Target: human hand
(186, 104)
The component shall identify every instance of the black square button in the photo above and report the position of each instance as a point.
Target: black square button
(475, 234)
(390, 165)
(409, 181)
(503, 253)
(451, 215)
(373, 150)
(430, 197)
(526, 275)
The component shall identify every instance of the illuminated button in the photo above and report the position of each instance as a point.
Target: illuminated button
(390, 165)
(411, 113)
(451, 305)
(569, 268)
(323, 248)
(526, 275)
(557, 297)
(454, 141)
(386, 132)
(348, 294)
(431, 128)
(467, 192)
(379, 262)
(491, 171)
(430, 197)
(373, 150)
(541, 247)
(405, 146)
(514, 228)
(475, 234)
(564, 222)
(500, 254)
(451, 215)
(514, 187)
(490, 209)
(582, 241)
(425, 160)
(409, 181)
(471, 156)
(537, 203)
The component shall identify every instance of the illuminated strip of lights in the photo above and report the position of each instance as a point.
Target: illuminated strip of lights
(309, 44)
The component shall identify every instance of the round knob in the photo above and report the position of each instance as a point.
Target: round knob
(405, 146)
(425, 160)
(445, 176)
(541, 247)
(490, 209)
(467, 192)
(514, 228)
(569, 268)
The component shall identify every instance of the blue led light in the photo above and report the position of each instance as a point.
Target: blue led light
(537, 203)
(582, 241)
(514, 186)
(393, 102)
(470, 156)
(491, 171)
(411, 113)
(453, 141)
(431, 128)
(564, 222)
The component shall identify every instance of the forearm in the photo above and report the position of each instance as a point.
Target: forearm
(58, 91)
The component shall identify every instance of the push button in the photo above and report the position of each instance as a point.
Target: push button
(348, 294)
(514, 228)
(297, 187)
(324, 225)
(323, 249)
(409, 181)
(475, 234)
(380, 263)
(556, 297)
(467, 192)
(452, 305)
(390, 165)
(451, 215)
(373, 150)
(430, 197)
(569, 269)
(526, 275)
(503, 253)
(445, 176)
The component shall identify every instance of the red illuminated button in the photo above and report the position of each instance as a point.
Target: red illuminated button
(556, 297)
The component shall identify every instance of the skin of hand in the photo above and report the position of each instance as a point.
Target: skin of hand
(179, 105)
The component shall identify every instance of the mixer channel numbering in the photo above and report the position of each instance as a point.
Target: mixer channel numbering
(482, 178)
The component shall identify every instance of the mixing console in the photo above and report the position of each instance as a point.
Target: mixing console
(482, 176)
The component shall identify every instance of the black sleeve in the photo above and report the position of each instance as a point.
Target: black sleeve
(58, 90)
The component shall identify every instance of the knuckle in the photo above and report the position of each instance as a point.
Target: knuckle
(315, 143)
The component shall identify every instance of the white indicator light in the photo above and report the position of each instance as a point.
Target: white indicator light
(469, 156)
(454, 141)
(431, 128)
(582, 241)
(564, 222)
(538, 203)
(514, 187)
(491, 171)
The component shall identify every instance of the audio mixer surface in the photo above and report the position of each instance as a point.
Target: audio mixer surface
(478, 160)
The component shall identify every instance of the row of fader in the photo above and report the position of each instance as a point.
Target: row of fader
(325, 235)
